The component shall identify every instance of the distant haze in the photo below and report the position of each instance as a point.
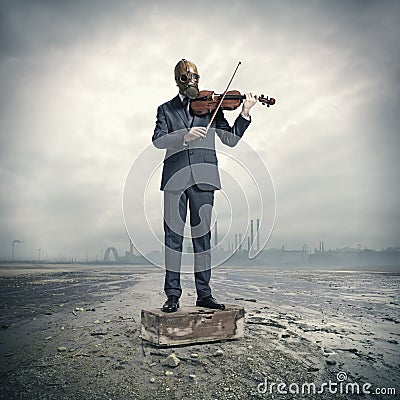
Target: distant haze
(80, 82)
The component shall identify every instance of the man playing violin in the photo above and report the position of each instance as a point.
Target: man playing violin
(190, 175)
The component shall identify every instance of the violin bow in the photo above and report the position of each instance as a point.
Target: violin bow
(222, 98)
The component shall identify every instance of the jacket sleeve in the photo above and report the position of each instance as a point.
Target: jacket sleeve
(162, 139)
(230, 136)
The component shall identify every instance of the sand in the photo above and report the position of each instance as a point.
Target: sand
(73, 332)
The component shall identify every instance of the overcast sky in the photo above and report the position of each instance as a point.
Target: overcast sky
(80, 82)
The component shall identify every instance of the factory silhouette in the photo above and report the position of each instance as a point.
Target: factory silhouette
(237, 249)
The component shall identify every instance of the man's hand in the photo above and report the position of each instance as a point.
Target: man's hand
(248, 103)
(195, 133)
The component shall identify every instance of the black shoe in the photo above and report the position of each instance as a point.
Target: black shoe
(172, 304)
(209, 302)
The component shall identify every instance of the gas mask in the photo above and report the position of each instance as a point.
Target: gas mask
(187, 78)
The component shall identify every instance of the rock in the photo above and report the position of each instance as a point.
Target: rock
(330, 362)
(192, 376)
(62, 328)
(219, 352)
(97, 321)
(194, 355)
(171, 361)
(328, 351)
(249, 346)
(152, 380)
(62, 349)
(98, 333)
(168, 373)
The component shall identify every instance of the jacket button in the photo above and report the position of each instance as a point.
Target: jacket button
(191, 153)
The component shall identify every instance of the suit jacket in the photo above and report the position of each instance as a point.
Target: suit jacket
(198, 157)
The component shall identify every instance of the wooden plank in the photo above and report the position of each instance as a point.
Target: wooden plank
(191, 324)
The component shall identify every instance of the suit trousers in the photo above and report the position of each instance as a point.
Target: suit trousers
(175, 210)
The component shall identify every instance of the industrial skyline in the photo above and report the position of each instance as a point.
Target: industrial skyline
(237, 247)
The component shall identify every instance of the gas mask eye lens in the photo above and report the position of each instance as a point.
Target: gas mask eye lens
(184, 78)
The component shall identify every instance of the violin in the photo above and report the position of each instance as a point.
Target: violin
(207, 101)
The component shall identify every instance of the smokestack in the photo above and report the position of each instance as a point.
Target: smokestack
(235, 241)
(131, 246)
(248, 243)
(258, 234)
(240, 241)
(251, 231)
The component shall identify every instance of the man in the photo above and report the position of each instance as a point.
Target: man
(190, 174)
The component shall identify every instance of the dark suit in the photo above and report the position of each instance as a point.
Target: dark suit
(190, 174)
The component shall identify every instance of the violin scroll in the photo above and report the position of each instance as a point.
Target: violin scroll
(268, 101)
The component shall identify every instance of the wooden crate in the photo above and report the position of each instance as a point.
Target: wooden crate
(192, 324)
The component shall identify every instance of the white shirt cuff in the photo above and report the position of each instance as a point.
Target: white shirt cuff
(245, 117)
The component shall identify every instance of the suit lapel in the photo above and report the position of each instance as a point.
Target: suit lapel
(177, 104)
